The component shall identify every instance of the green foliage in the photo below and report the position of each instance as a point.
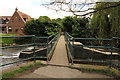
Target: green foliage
(12, 74)
(71, 67)
(26, 67)
(39, 63)
(105, 23)
(67, 23)
(43, 26)
(77, 27)
(7, 40)
(23, 40)
(8, 75)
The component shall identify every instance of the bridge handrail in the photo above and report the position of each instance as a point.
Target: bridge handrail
(110, 46)
(91, 39)
(32, 44)
(49, 53)
(68, 44)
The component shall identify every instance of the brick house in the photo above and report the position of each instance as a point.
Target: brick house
(17, 22)
(3, 23)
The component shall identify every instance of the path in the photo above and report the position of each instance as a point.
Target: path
(60, 54)
(60, 58)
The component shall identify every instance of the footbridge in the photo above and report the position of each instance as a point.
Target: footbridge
(63, 49)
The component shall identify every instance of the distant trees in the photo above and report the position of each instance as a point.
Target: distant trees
(43, 26)
(67, 23)
(76, 26)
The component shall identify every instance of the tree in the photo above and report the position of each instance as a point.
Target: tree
(75, 26)
(35, 27)
(67, 23)
(105, 23)
(43, 26)
(79, 28)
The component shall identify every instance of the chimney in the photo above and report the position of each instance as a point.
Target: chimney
(16, 9)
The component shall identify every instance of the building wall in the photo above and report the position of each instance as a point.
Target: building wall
(3, 23)
(15, 25)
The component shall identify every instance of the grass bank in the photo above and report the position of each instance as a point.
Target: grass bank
(111, 71)
(7, 40)
(22, 69)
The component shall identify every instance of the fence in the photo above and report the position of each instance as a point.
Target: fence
(94, 51)
(42, 47)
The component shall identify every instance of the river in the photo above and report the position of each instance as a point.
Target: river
(11, 55)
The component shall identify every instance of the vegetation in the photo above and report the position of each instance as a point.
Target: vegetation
(109, 72)
(43, 26)
(105, 23)
(77, 27)
(7, 40)
(12, 74)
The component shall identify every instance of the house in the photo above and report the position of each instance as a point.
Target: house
(3, 23)
(17, 22)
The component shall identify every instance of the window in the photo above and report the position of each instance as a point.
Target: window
(22, 28)
(3, 29)
(19, 20)
(10, 29)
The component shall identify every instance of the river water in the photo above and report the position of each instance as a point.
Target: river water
(11, 55)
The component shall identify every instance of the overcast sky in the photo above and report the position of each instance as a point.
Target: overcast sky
(33, 8)
(30, 7)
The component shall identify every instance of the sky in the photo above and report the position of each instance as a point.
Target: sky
(30, 7)
(33, 8)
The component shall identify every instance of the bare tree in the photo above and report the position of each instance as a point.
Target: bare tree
(77, 7)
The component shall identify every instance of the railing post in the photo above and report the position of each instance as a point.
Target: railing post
(72, 48)
(34, 38)
(47, 49)
(112, 41)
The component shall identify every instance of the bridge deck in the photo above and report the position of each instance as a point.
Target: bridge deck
(60, 54)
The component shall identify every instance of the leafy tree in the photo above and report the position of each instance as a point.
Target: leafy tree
(67, 23)
(79, 28)
(76, 26)
(43, 26)
(105, 23)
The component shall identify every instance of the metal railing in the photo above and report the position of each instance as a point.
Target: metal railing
(47, 42)
(51, 46)
(92, 50)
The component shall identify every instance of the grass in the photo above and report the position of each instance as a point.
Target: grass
(7, 34)
(7, 40)
(109, 72)
(12, 74)
(71, 67)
